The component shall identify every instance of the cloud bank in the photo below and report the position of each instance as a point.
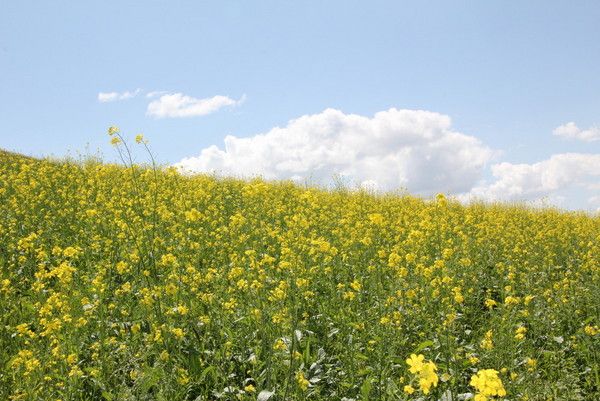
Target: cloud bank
(411, 149)
(572, 131)
(178, 105)
(105, 97)
(547, 178)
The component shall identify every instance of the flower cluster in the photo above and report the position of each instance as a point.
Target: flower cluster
(488, 384)
(424, 371)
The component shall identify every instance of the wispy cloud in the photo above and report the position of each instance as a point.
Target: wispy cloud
(105, 97)
(177, 105)
(572, 131)
(153, 94)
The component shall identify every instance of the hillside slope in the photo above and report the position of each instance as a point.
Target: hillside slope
(128, 284)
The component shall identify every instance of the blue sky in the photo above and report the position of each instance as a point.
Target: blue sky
(505, 73)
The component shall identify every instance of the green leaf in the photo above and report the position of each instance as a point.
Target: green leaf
(365, 389)
(209, 370)
(422, 346)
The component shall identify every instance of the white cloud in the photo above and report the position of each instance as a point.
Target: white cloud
(104, 97)
(412, 149)
(572, 131)
(546, 179)
(179, 105)
(152, 94)
(594, 203)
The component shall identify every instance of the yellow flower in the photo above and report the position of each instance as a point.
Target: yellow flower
(356, 285)
(70, 252)
(23, 329)
(408, 389)
(168, 260)
(115, 140)
(230, 305)
(376, 218)
(473, 360)
(490, 303)
(113, 130)
(415, 362)
(301, 282)
(488, 384)
(487, 342)
(426, 371)
(349, 295)
(71, 359)
(428, 377)
(179, 333)
(303, 383)
(122, 267)
(279, 345)
(458, 297)
(520, 332)
(183, 377)
(139, 138)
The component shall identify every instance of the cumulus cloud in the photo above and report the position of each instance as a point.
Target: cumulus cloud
(411, 149)
(178, 105)
(572, 131)
(565, 171)
(104, 97)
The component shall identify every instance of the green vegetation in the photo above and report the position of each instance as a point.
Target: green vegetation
(135, 283)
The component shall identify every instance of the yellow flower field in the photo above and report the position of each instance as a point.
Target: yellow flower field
(128, 282)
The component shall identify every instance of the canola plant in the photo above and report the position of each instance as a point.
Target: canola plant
(135, 282)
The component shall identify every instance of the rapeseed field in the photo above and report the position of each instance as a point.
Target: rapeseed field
(136, 282)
